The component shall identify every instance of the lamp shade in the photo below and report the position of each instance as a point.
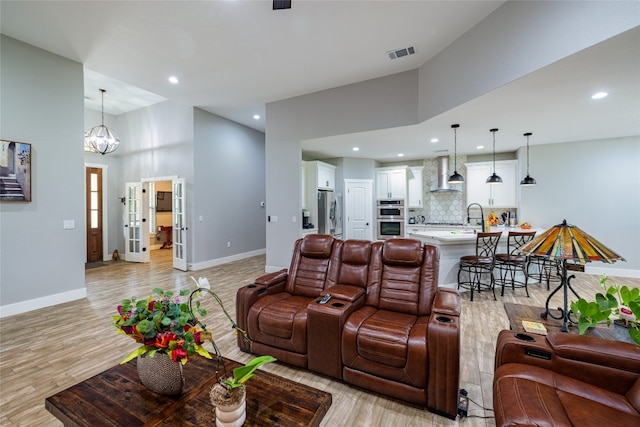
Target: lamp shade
(102, 139)
(528, 181)
(456, 178)
(494, 179)
(568, 242)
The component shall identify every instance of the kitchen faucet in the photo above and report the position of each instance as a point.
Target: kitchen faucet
(481, 214)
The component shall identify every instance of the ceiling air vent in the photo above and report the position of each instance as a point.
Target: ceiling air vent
(399, 53)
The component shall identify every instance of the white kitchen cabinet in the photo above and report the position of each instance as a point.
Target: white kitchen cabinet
(497, 195)
(322, 174)
(414, 187)
(391, 183)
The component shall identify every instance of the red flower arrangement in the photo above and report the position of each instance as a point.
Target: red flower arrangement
(162, 323)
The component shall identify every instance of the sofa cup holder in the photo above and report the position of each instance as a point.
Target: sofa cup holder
(524, 337)
(444, 319)
(251, 286)
(338, 304)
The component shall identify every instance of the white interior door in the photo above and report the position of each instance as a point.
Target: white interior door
(359, 209)
(179, 225)
(135, 225)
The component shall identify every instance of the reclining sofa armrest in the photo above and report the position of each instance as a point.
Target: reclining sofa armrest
(447, 301)
(607, 364)
(522, 347)
(271, 279)
(247, 295)
(598, 351)
(345, 292)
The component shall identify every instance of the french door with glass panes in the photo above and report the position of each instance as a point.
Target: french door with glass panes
(179, 225)
(136, 229)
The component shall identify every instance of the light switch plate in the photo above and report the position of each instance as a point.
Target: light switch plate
(68, 224)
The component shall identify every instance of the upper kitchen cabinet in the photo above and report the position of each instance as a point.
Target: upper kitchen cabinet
(391, 183)
(497, 195)
(414, 184)
(323, 175)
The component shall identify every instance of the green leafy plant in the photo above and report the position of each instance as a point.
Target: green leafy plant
(161, 323)
(244, 373)
(618, 302)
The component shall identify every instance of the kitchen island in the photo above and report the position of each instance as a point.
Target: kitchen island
(457, 242)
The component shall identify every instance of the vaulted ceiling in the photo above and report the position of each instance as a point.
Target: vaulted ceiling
(233, 57)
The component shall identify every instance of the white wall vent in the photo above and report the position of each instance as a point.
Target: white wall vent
(399, 53)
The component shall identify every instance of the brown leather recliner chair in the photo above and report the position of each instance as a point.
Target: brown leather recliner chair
(565, 379)
(405, 341)
(273, 311)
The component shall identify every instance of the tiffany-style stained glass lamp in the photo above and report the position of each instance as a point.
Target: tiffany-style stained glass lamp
(566, 242)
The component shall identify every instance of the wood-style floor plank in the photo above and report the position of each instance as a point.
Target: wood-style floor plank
(51, 349)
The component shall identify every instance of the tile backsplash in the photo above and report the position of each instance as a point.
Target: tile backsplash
(447, 207)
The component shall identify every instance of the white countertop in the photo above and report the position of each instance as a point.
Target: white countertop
(460, 235)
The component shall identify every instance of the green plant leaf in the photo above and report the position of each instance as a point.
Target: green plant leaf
(135, 353)
(244, 373)
(583, 325)
(634, 333)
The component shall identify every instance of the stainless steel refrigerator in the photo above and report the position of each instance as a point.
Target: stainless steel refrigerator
(329, 216)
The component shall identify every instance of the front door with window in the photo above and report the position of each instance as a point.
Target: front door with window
(93, 190)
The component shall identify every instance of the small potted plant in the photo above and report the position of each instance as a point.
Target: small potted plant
(229, 396)
(618, 302)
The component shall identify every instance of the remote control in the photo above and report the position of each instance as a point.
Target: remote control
(324, 299)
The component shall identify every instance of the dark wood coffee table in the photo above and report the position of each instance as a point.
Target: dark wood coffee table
(519, 312)
(116, 397)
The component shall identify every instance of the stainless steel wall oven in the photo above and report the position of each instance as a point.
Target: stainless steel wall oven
(390, 218)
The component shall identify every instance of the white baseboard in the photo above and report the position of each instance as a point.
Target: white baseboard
(225, 260)
(612, 272)
(37, 303)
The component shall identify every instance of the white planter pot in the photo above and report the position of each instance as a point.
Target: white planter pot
(232, 417)
(229, 414)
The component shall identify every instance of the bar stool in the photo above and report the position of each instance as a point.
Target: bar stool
(544, 268)
(482, 263)
(510, 263)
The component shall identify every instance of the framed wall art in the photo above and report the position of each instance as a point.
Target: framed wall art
(15, 171)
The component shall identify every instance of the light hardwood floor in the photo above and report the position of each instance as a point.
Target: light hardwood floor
(48, 350)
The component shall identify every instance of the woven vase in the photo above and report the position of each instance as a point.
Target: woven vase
(161, 374)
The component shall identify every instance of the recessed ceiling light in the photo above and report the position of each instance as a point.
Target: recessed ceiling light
(173, 79)
(480, 147)
(356, 149)
(599, 95)
(434, 139)
(256, 116)
(400, 154)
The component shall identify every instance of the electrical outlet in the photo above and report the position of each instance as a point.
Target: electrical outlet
(228, 244)
(463, 403)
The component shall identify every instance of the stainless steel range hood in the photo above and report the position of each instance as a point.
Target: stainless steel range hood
(443, 177)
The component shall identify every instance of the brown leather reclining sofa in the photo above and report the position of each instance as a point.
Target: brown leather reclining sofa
(565, 380)
(387, 327)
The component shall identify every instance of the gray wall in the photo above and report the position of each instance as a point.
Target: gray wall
(229, 186)
(42, 103)
(594, 185)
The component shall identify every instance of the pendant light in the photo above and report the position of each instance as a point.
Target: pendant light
(494, 179)
(100, 138)
(456, 178)
(528, 181)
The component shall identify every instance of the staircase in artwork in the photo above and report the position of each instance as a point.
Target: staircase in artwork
(10, 189)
